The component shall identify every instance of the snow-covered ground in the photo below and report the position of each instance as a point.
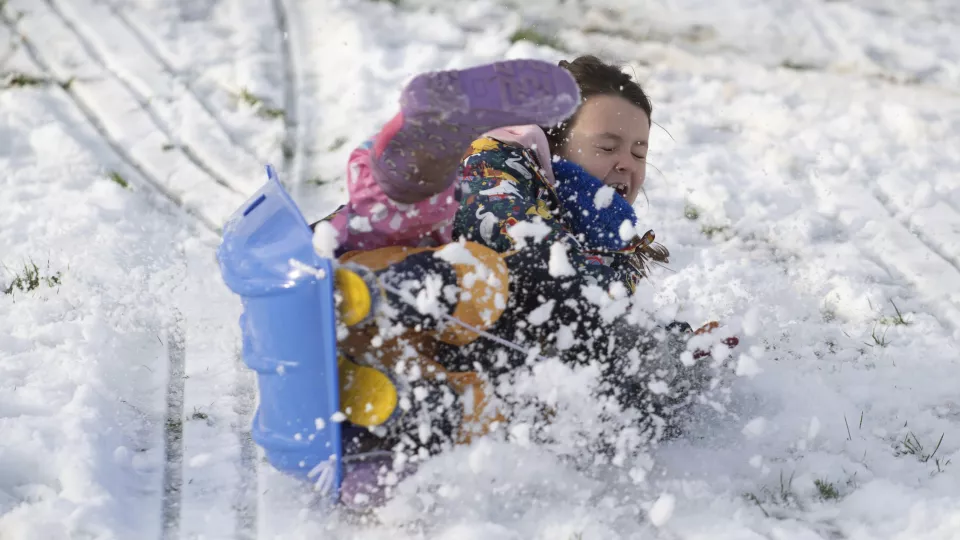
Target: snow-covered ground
(806, 182)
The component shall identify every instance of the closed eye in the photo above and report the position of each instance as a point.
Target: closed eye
(641, 158)
(606, 149)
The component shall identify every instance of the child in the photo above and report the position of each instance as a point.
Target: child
(403, 196)
(410, 379)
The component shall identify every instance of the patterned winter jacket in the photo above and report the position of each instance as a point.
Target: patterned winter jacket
(503, 185)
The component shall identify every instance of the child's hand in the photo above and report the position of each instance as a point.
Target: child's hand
(708, 328)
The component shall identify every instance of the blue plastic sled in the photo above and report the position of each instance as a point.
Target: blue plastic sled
(289, 333)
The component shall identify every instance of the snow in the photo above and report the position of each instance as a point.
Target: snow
(457, 253)
(559, 264)
(755, 428)
(662, 510)
(747, 366)
(520, 232)
(604, 197)
(807, 191)
(541, 314)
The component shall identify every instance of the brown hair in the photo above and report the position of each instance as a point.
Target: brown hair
(597, 78)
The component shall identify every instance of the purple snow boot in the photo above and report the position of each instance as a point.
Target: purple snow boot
(417, 153)
(368, 479)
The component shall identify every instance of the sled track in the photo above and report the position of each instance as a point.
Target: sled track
(144, 101)
(292, 140)
(903, 253)
(925, 274)
(884, 199)
(173, 433)
(177, 441)
(153, 183)
(247, 495)
(164, 60)
(906, 250)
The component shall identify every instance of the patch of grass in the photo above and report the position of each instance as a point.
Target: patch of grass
(849, 435)
(16, 17)
(782, 494)
(257, 103)
(30, 278)
(910, 446)
(797, 66)
(199, 415)
(879, 341)
(119, 180)
(174, 428)
(756, 500)
(691, 212)
(26, 80)
(786, 489)
(899, 320)
(712, 230)
(530, 34)
(612, 32)
(272, 113)
(337, 144)
(168, 147)
(287, 151)
(22, 80)
(247, 97)
(827, 490)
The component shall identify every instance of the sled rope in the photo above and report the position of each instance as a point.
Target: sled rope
(453, 320)
(320, 274)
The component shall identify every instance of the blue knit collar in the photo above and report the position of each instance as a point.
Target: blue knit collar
(597, 228)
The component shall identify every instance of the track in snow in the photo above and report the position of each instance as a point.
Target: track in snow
(210, 185)
(292, 140)
(247, 494)
(144, 101)
(209, 202)
(165, 60)
(173, 433)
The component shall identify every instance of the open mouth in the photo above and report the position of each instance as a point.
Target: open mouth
(622, 189)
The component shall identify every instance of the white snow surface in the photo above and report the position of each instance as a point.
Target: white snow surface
(806, 184)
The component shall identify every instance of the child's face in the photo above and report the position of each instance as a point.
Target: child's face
(609, 139)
